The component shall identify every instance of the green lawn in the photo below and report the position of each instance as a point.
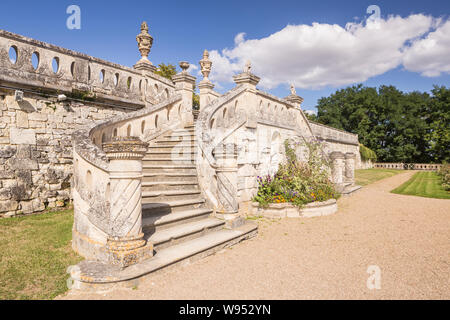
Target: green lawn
(35, 252)
(367, 176)
(423, 184)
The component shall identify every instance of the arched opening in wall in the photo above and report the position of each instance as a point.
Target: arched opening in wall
(129, 130)
(13, 54)
(236, 107)
(261, 106)
(169, 110)
(116, 79)
(156, 89)
(89, 179)
(140, 86)
(115, 132)
(179, 111)
(156, 121)
(103, 138)
(224, 113)
(72, 69)
(166, 91)
(211, 123)
(55, 65)
(94, 141)
(89, 73)
(142, 126)
(102, 76)
(35, 60)
(129, 83)
(108, 191)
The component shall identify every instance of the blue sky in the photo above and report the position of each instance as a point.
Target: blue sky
(182, 30)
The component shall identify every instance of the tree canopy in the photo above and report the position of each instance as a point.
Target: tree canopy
(397, 126)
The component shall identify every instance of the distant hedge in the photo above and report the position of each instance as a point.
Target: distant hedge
(367, 154)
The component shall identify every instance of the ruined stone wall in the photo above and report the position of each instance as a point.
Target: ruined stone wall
(36, 150)
(36, 121)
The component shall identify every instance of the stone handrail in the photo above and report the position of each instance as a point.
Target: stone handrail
(235, 121)
(75, 74)
(107, 180)
(330, 134)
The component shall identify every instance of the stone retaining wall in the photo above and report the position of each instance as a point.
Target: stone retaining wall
(287, 210)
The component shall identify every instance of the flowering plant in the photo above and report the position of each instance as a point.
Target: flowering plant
(298, 182)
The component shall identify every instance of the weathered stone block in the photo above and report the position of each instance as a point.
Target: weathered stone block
(22, 136)
(23, 164)
(21, 119)
(8, 205)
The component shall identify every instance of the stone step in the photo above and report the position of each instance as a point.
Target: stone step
(169, 185)
(104, 276)
(169, 195)
(176, 150)
(150, 206)
(188, 154)
(184, 232)
(155, 222)
(169, 161)
(181, 168)
(170, 176)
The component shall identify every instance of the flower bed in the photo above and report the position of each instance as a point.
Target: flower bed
(283, 210)
(298, 183)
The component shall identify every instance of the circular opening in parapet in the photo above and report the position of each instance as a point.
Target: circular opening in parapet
(13, 53)
(35, 60)
(116, 79)
(55, 64)
(72, 69)
(102, 76)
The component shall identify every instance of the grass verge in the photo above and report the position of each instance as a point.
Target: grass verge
(367, 176)
(35, 252)
(423, 184)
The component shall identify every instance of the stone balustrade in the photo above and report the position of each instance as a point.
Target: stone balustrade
(409, 166)
(257, 124)
(330, 134)
(49, 68)
(107, 180)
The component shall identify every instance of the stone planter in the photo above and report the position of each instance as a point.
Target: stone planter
(283, 210)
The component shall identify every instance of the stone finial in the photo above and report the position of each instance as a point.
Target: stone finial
(248, 67)
(184, 65)
(205, 65)
(145, 42)
(293, 92)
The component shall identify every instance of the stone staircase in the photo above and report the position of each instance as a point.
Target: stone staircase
(175, 216)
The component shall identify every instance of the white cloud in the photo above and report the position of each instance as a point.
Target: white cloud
(192, 67)
(318, 55)
(311, 112)
(430, 56)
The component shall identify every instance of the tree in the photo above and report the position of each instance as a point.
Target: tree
(397, 126)
(166, 71)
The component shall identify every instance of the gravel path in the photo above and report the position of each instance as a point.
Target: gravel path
(325, 257)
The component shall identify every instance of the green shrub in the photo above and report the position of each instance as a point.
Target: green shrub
(444, 173)
(367, 154)
(296, 181)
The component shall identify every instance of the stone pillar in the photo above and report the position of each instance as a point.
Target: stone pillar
(226, 172)
(126, 244)
(350, 167)
(337, 169)
(184, 84)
